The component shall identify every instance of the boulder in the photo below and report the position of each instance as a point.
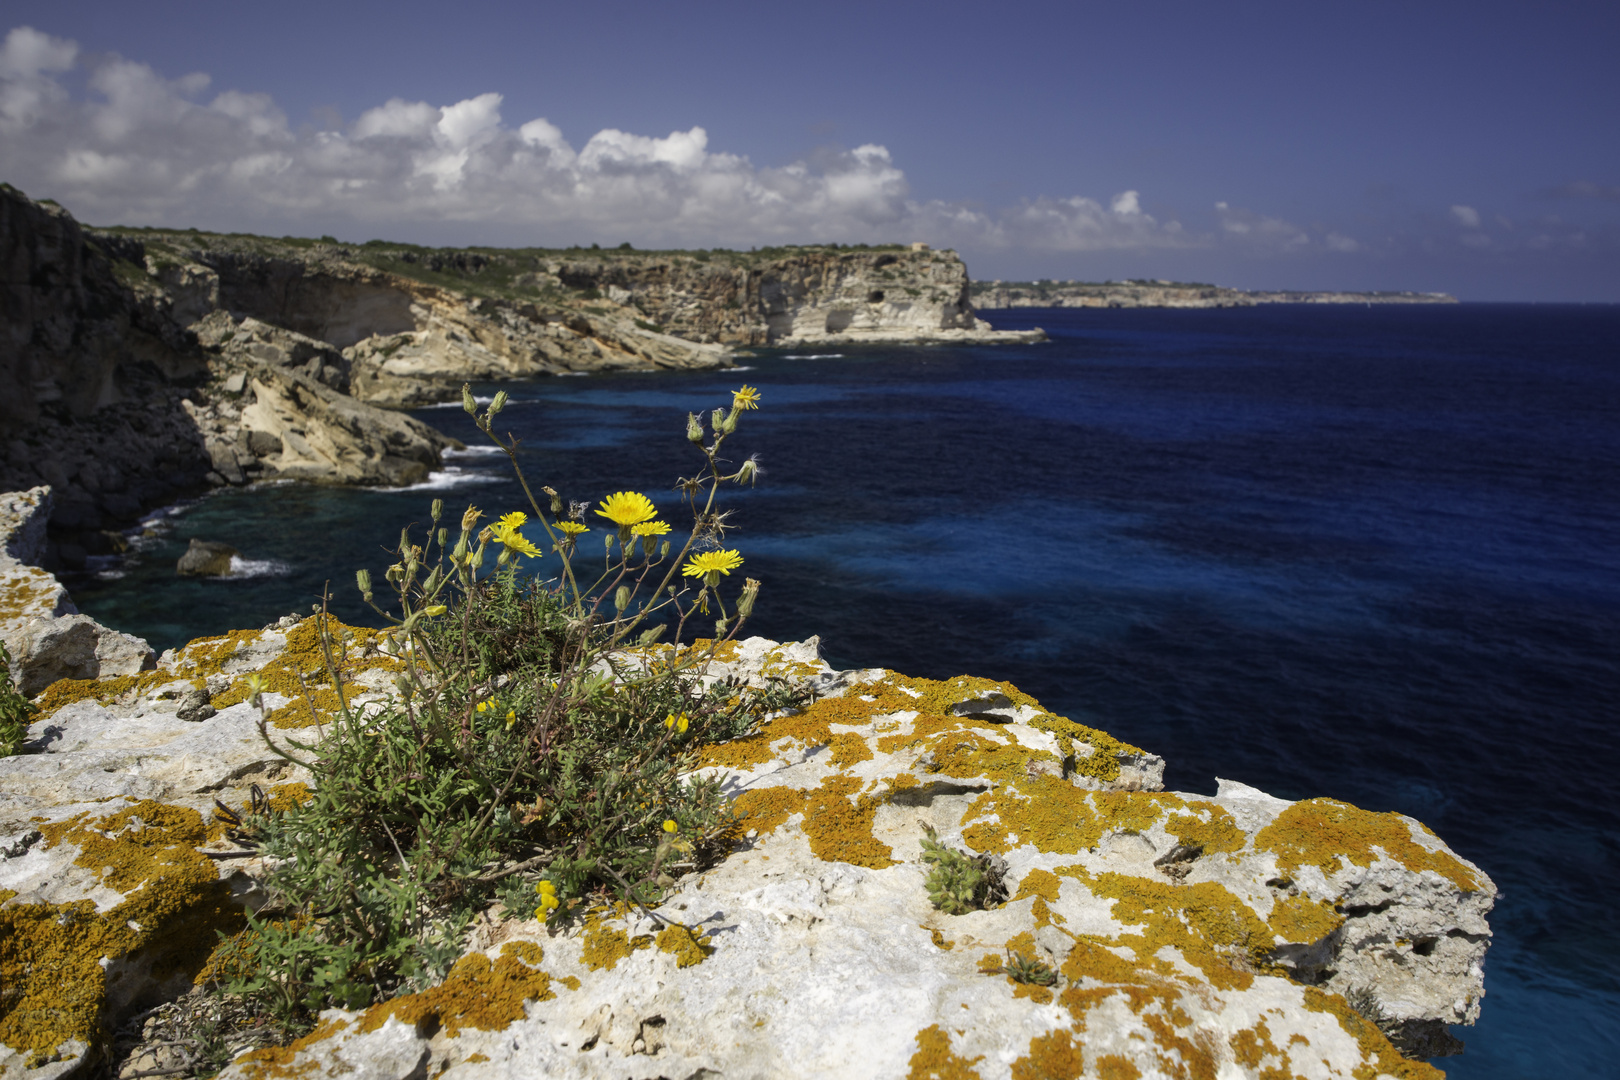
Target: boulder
(42, 629)
(205, 558)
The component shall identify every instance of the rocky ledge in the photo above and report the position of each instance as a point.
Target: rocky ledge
(1234, 935)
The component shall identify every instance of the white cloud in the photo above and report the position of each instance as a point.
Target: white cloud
(144, 149)
(1466, 216)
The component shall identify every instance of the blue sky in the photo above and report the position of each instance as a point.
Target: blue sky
(1470, 148)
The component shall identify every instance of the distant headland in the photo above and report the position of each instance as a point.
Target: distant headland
(1169, 294)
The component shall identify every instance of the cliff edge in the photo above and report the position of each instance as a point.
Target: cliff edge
(1138, 932)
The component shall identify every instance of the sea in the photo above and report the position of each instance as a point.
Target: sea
(1367, 552)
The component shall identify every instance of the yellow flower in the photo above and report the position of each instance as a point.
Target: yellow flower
(546, 887)
(746, 398)
(677, 724)
(712, 562)
(436, 609)
(506, 532)
(650, 528)
(571, 529)
(483, 706)
(670, 826)
(626, 508)
(511, 718)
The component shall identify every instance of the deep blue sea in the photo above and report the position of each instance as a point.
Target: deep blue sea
(1365, 552)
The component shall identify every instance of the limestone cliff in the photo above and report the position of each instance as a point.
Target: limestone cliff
(108, 395)
(1168, 294)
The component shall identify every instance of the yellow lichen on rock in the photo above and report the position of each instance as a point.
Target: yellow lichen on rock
(1379, 1056)
(1328, 834)
(478, 993)
(174, 902)
(687, 948)
(841, 830)
(935, 1060)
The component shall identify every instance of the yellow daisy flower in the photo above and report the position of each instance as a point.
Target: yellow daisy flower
(712, 562)
(650, 528)
(746, 398)
(507, 534)
(670, 826)
(626, 508)
(572, 529)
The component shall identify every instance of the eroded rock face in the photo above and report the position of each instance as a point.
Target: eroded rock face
(1207, 935)
(43, 631)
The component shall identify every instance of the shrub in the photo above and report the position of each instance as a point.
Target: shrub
(532, 754)
(957, 882)
(15, 709)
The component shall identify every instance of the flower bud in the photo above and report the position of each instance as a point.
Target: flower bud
(435, 610)
(717, 420)
(498, 404)
(444, 537)
(437, 509)
(470, 518)
(745, 602)
(720, 627)
(556, 499)
(621, 599)
(730, 423)
(694, 428)
(362, 578)
(467, 401)
(663, 552)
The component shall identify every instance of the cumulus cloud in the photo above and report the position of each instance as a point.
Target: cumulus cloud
(141, 148)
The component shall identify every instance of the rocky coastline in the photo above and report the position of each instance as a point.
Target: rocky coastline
(1168, 294)
(143, 366)
(1238, 935)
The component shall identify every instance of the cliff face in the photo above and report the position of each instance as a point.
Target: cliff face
(108, 395)
(1169, 294)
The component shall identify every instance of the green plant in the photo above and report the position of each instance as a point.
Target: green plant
(652, 326)
(15, 709)
(532, 754)
(1026, 969)
(957, 882)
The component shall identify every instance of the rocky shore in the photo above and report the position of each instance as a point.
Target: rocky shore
(1238, 935)
(140, 366)
(1168, 294)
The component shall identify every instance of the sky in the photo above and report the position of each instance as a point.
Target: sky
(1470, 148)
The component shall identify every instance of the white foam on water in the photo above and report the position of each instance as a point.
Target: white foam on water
(445, 480)
(474, 452)
(809, 356)
(457, 403)
(257, 568)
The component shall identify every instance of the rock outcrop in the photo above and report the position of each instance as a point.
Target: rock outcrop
(1237, 935)
(1169, 294)
(43, 631)
(109, 395)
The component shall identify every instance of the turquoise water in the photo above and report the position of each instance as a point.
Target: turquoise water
(1371, 553)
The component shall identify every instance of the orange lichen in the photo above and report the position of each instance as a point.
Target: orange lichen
(1117, 1067)
(1053, 1056)
(1214, 833)
(935, 1060)
(1301, 920)
(841, 830)
(849, 748)
(277, 1061)
(938, 939)
(687, 947)
(173, 904)
(766, 808)
(1329, 834)
(477, 993)
(605, 946)
(1379, 1056)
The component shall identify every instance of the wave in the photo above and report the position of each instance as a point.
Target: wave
(808, 356)
(255, 568)
(478, 399)
(445, 480)
(473, 452)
